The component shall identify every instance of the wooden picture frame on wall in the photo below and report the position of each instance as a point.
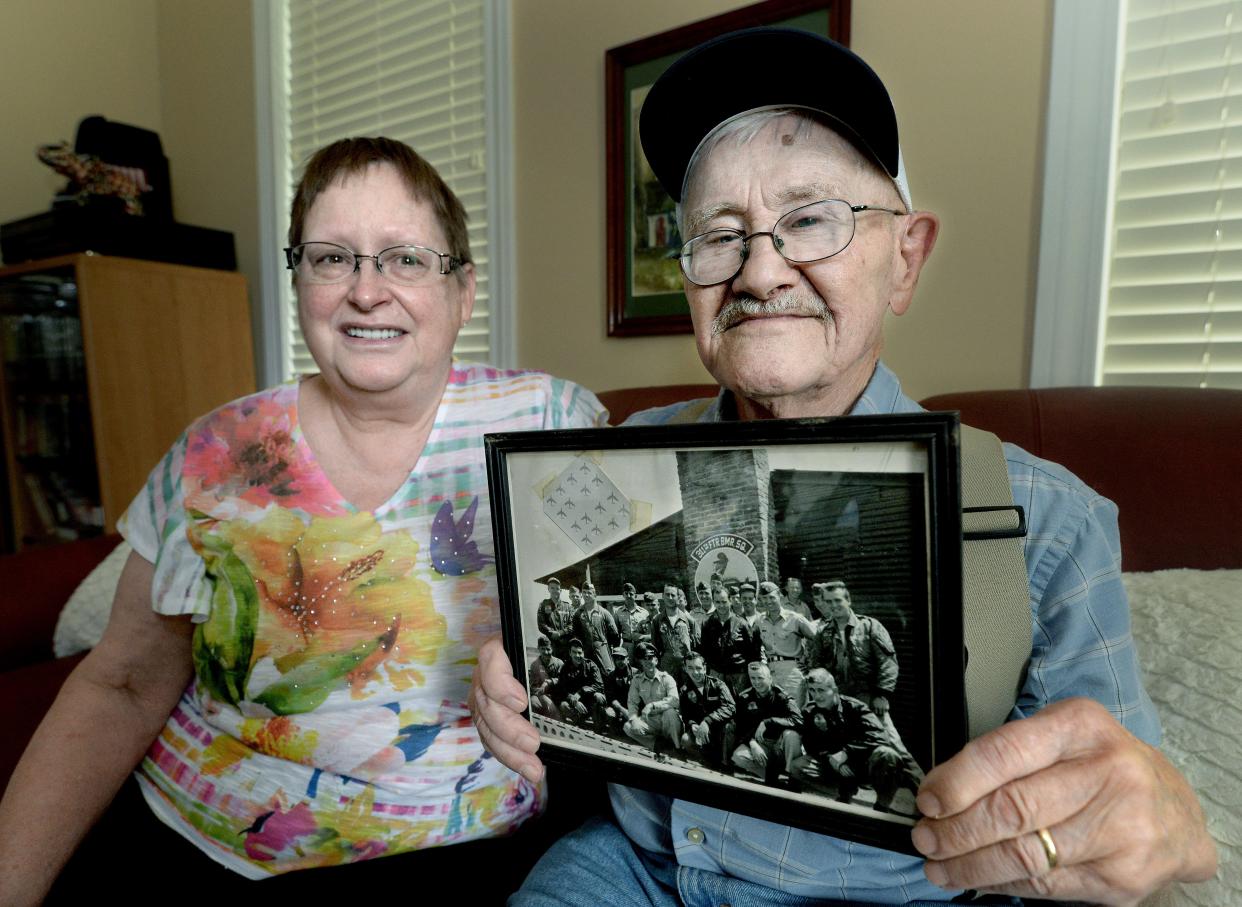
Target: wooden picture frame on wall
(644, 285)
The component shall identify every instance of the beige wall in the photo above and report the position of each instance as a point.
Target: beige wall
(207, 108)
(62, 60)
(968, 83)
(180, 67)
(970, 92)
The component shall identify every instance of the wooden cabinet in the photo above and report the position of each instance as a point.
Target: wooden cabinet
(106, 361)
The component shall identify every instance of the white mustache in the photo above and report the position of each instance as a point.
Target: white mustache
(738, 309)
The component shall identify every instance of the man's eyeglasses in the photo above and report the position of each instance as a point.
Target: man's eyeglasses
(410, 266)
(811, 233)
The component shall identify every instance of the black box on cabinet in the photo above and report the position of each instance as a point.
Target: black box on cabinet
(64, 231)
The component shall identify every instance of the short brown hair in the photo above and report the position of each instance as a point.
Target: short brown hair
(345, 157)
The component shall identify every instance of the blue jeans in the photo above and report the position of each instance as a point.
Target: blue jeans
(598, 864)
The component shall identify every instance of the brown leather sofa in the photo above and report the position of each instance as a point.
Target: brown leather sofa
(1170, 458)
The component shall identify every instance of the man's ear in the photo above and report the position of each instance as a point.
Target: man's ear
(916, 243)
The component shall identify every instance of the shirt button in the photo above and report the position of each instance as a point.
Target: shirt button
(695, 835)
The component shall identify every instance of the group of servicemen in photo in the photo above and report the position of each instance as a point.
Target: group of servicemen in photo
(747, 681)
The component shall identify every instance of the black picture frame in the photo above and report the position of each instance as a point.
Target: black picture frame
(637, 306)
(872, 500)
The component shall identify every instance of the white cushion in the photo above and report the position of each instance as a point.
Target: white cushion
(1188, 628)
(82, 620)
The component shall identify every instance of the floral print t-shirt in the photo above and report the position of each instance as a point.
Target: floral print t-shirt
(333, 649)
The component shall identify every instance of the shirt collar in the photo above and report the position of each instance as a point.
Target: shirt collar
(881, 396)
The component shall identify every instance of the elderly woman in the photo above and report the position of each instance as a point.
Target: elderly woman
(291, 645)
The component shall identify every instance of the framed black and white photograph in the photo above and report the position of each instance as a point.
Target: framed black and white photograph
(762, 616)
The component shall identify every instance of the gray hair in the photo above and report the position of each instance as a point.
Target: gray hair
(743, 128)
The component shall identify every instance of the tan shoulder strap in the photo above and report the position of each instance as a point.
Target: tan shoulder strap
(996, 591)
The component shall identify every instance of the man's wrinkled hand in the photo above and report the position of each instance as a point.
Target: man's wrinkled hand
(496, 702)
(1123, 820)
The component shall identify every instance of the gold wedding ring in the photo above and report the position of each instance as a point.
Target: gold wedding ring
(1050, 847)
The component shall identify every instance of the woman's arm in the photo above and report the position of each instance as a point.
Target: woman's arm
(108, 712)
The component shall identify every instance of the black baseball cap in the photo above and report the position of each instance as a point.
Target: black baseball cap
(759, 68)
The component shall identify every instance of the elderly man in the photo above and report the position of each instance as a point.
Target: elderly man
(782, 150)
(783, 632)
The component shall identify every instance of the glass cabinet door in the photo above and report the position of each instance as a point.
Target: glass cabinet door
(52, 479)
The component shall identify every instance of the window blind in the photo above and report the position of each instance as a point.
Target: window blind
(410, 70)
(1174, 292)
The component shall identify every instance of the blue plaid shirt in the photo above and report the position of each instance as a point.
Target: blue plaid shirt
(1081, 646)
